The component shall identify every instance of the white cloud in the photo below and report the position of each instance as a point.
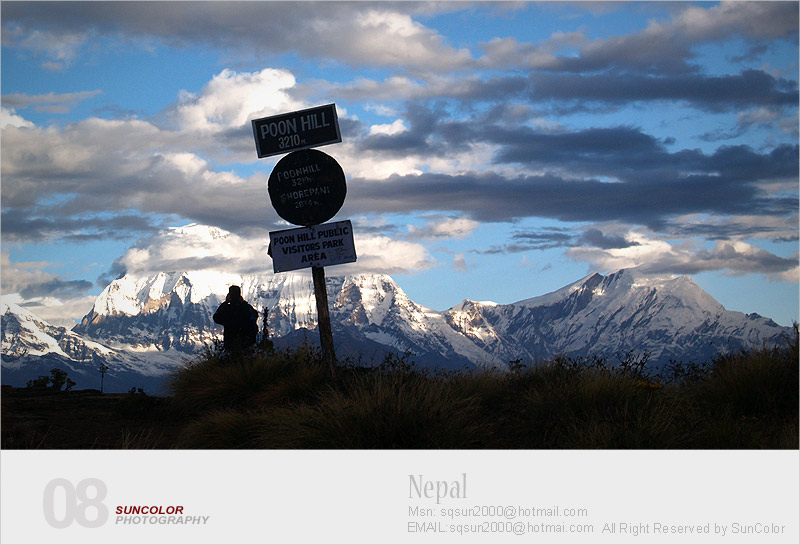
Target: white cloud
(735, 257)
(357, 164)
(64, 312)
(197, 247)
(18, 276)
(394, 38)
(232, 98)
(443, 228)
(9, 118)
(510, 52)
(396, 127)
(84, 158)
(354, 33)
(380, 254)
(124, 165)
(50, 297)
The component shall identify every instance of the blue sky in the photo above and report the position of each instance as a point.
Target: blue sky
(493, 151)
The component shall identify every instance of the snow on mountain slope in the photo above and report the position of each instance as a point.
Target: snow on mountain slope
(663, 316)
(25, 334)
(174, 311)
(31, 347)
(148, 325)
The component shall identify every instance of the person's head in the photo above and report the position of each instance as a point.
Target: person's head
(234, 293)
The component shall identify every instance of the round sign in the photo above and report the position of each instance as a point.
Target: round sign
(307, 187)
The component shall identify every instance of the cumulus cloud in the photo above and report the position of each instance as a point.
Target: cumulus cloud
(381, 254)
(232, 98)
(9, 118)
(395, 127)
(393, 38)
(197, 247)
(755, 20)
(127, 167)
(510, 52)
(658, 256)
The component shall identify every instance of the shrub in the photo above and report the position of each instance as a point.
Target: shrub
(227, 429)
(288, 400)
(218, 381)
(57, 379)
(384, 410)
(755, 383)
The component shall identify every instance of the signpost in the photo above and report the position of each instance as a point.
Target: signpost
(315, 246)
(307, 187)
(302, 129)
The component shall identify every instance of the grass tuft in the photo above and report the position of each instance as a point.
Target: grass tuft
(288, 400)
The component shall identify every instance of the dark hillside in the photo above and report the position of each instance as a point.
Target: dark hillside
(44, 419)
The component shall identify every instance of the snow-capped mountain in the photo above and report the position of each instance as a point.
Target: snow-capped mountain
(31, 347)
(150, 324)
(665, 317)
(172, 312)
(26, 335)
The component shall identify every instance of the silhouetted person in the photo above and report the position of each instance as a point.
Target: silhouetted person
(239, 320)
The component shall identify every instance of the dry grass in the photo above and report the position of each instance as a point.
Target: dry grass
(287, 400)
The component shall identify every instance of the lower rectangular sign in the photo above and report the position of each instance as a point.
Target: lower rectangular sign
(315, 246)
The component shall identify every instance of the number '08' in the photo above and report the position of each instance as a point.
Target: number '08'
(77, 502)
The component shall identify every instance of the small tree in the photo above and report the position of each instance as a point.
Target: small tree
(39, 383)
(103, 368)
(58, 379)
(265, 345)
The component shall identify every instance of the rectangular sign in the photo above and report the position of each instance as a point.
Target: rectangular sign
(316, 246)
(302, 129)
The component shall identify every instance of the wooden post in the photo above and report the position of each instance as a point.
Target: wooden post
(323, 317)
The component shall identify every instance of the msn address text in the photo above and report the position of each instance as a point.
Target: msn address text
(509, 512)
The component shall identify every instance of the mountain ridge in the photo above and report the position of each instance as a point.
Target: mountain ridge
(150, 324)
